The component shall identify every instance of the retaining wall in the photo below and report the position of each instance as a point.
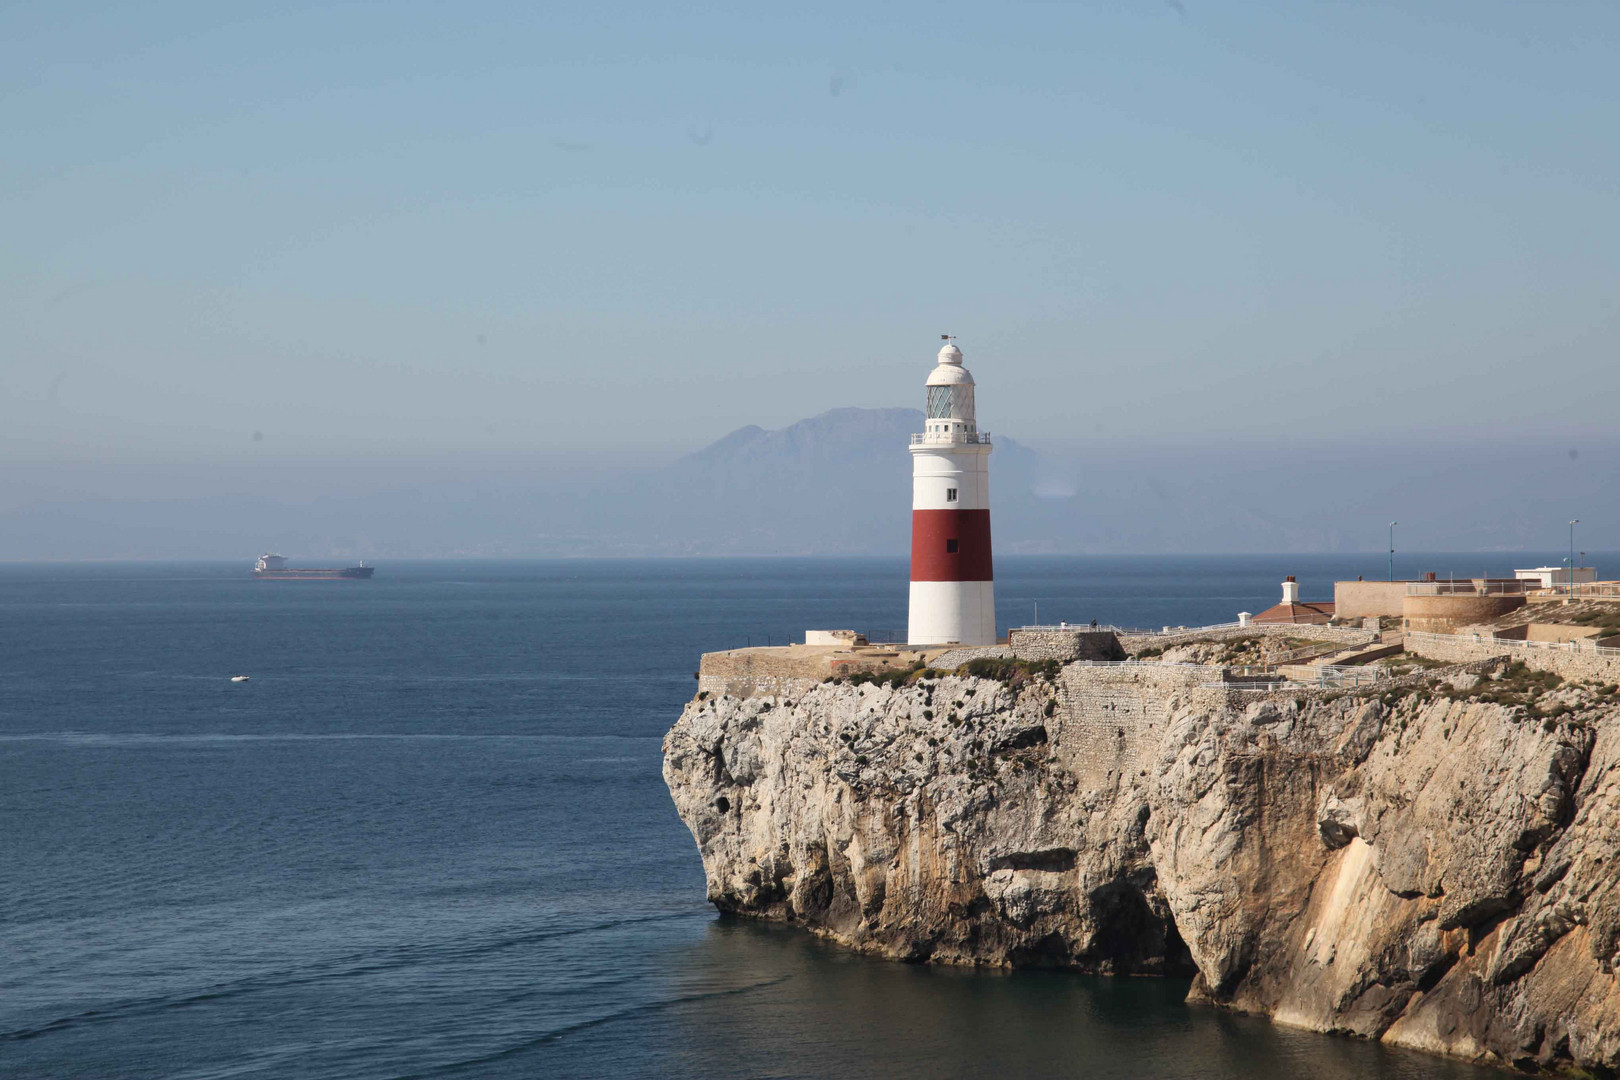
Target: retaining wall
(1577, 663)
(1425, 613)
(1135, 643)
(1064, 645)
(785, 671)
(1110, 718)
(1358, 599)
(955, 658)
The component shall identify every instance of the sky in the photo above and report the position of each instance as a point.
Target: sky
(589, 233)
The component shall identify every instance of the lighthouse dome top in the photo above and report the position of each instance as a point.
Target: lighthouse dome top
(950, 371)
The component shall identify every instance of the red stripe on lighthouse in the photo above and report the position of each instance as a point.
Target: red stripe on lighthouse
(932, 557)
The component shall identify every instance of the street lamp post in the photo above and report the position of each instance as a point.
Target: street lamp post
(1572, 523)
(1392, 549)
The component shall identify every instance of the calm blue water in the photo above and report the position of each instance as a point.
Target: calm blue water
(429, 838)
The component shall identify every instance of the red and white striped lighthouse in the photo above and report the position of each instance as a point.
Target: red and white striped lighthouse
(953, 595)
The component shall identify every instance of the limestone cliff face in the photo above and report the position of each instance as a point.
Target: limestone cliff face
(1443, 874)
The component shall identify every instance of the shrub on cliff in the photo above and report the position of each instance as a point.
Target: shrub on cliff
(1015, 673)
(894, 678)
(1518, 684)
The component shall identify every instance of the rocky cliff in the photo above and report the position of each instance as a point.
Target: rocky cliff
(1436, 865)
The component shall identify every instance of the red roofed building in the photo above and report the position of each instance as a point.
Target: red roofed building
(1291, 610)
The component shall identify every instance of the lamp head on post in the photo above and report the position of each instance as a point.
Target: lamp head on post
(1572, 523)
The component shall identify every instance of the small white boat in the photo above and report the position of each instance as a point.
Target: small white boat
(239, 678)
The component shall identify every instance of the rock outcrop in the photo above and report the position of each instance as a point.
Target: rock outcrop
(1437, 866)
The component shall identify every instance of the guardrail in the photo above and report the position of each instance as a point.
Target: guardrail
(1175, 631)
(952, 438)
(1348, 675)
(1311, 651)
(886, 637)
(1321, 674)
(1469, 587)
(1088, 628)
(1518, 643)
(1583, 588)
(1134, 663)
(1191, 629)
(1166, 631)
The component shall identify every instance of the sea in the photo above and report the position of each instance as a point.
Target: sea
(429, 836)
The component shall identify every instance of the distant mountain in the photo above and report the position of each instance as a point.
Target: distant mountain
(836, 437)
(840, 483)
(837, 483)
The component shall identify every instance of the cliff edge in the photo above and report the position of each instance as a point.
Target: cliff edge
(1436, 864)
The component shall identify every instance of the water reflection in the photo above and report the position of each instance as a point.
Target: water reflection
(766, 1001)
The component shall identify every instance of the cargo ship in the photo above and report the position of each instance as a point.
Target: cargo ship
(275, 568)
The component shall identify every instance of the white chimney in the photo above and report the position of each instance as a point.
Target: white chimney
(1244, 617)
(1290, 590)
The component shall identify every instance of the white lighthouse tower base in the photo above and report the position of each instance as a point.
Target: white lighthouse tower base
(952, 612)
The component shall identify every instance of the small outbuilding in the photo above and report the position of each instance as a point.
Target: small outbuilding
(1294, 610)
(1550, 577)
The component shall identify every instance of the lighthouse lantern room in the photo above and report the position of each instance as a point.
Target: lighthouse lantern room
(952, 588)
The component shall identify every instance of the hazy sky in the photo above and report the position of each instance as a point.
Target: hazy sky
(374, 231)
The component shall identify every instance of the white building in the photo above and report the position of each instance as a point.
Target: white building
(952, 588)
(1549, 576)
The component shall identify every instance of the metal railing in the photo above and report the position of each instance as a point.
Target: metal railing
(1583, 588)
(1154, 664)
(1472, 587)
(1320, 674)
(1580, 646)
(1310, 652)
(1089, 628)
(952, 438)
(1134, 631)
(1170, 631)
(1347, 675)
(888, 637)
(1302, 629)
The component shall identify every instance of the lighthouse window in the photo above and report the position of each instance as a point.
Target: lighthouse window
(950, 547)
(950, 494)
(953, 402)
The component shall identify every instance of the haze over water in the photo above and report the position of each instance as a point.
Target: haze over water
(430, 838)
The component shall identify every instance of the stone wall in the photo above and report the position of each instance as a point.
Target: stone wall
(1358, 599)
(1135, 643)
(1063, 644)
(1457, 609)
(952, 659)
(785, 671)
(1575, 664)
(1110, 718)
(760, 685)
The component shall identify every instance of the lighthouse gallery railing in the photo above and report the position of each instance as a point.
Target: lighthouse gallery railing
(954, 438)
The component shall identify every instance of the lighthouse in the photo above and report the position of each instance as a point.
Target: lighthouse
(952, 592)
